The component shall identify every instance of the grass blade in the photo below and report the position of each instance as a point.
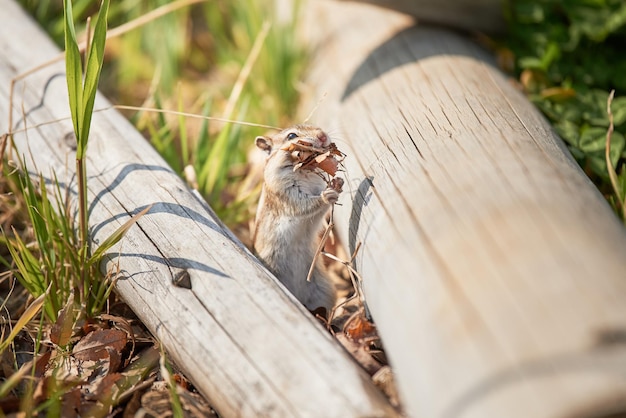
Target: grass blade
(116, 236)
(73, 68)
(28, 266)
(95, 58)
(202, 146)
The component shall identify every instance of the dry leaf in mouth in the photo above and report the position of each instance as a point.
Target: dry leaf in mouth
(308, 157)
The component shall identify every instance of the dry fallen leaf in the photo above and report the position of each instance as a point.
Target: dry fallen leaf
(103, 389)
(70, 403)
(359, 336)
(359, 328)
(157, 402)
(61, 330)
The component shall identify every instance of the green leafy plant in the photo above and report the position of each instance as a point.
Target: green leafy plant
(569, 55)
(273, 87)
(191, 60)
(59, 262)
(82, 87)
(52, 263)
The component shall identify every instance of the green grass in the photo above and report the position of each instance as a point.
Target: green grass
(190, 61)
(569, 56)
(82, 85)
(59, 263)
(221, 36)
(53, 262)
(198, 76)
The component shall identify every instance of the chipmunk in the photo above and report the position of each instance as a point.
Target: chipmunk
(289, 217)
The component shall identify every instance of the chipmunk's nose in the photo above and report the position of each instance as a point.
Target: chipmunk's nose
(323, 138)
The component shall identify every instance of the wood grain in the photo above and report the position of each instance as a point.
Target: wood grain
(246, 344)
(493, 268)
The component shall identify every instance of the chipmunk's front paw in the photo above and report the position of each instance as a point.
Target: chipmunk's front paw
(330, 196)
(337, 184)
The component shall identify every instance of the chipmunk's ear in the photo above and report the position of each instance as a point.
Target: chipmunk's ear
(264, 143)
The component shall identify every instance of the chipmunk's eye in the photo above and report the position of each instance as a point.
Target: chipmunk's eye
(292, 135)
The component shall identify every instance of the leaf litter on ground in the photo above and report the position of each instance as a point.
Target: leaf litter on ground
(89, 368)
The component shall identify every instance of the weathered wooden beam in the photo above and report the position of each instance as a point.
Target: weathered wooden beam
(246, 344)
(495, 271)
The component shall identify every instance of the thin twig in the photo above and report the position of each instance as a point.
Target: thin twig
(355, 278)
(190, 115)
(334, 309)
(319, 102)
(147, 109)
(320, 247)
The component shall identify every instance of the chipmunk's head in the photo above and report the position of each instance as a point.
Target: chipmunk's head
(291, 158)
(302, 134)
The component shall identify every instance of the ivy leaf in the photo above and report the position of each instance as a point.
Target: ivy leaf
(569, 131)
(593, 139)
(618, 107)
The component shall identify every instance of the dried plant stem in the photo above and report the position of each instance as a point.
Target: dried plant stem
(190, 115)
(319, 102)
(4, 140)
(621, 204)
(320, 247)
(146, 109)
(245, 70)
(355, 278)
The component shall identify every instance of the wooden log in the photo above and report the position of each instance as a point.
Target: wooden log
(245, 343)
(493, 268)
(473, 15)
